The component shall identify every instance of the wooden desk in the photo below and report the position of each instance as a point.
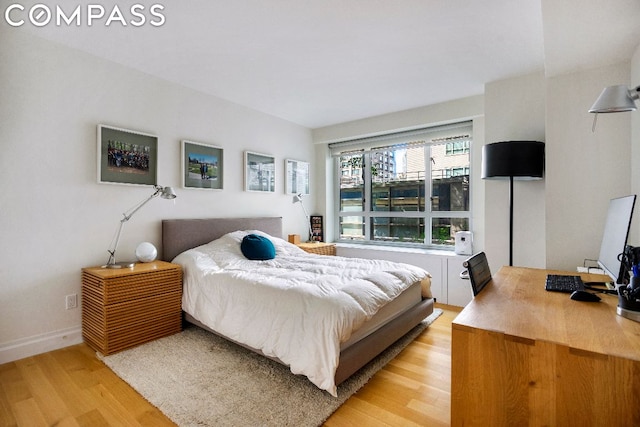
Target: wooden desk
(523, 356)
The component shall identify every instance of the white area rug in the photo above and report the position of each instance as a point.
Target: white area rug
(199, 379)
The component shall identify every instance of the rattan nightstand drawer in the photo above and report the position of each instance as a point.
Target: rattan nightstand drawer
(318, 248)
(120, 285)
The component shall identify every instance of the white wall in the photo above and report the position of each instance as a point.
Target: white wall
(515, 110)
(584, 169)
(55, 218)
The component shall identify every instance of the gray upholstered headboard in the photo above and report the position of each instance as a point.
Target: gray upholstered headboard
(178, 235)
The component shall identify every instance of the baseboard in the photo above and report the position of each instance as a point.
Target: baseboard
(37, 344)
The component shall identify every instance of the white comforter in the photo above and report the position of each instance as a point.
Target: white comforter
(297, 307)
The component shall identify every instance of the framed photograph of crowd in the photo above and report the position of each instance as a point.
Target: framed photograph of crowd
(297, 177)
(259, 172)
(202, 166)
(127, 156)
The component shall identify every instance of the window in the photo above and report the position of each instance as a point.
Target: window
(408, 188)
(458, 147)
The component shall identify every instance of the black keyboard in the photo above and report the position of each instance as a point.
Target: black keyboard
(561, 283)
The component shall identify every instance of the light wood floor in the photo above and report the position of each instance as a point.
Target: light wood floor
(414, 389)
(71, 387)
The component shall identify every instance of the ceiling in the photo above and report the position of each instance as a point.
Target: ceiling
(322, 62)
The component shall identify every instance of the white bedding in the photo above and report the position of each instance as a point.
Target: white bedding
(297, 307)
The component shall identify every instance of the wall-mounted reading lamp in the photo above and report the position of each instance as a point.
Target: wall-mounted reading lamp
(163, 192)
(615, 99)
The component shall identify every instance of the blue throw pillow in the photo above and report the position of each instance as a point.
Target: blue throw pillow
(256, 247)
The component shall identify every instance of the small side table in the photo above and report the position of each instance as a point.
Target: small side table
(319, 248)
(122, 308)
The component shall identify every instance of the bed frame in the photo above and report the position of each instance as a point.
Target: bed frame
(179, 235)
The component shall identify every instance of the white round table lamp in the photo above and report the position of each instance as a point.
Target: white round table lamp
(146, 252)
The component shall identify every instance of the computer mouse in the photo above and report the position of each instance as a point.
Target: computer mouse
(584, 296)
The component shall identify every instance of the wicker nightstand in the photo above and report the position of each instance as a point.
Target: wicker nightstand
(319, 248)
(125, 307)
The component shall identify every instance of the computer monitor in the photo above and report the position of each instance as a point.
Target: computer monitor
(614, 239)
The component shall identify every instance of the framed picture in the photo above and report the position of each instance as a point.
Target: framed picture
(127, 156)
(317, 228)
(259, 172)
(202, 166)
(297, 173)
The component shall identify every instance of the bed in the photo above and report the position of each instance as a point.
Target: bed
(182, 238)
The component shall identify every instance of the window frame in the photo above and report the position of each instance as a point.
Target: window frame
(367, 214)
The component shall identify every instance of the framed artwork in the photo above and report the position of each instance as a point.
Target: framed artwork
(202, 166)
(127, 156)
(297, 177)
(259, 172)
(317, 228)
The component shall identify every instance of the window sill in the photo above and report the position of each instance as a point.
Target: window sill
(400, 249)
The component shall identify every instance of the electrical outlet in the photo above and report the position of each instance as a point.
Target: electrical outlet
(71, 301)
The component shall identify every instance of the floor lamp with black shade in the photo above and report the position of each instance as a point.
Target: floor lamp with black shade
(519, 160)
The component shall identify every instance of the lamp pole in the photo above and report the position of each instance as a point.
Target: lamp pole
(298, 198)
(510, 221)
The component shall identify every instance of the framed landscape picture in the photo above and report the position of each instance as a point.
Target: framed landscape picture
(202, 166)
(297, 177)
(127, 156)
(259, 172)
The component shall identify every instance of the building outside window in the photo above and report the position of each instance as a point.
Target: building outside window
(408, 188)
(458, 147)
